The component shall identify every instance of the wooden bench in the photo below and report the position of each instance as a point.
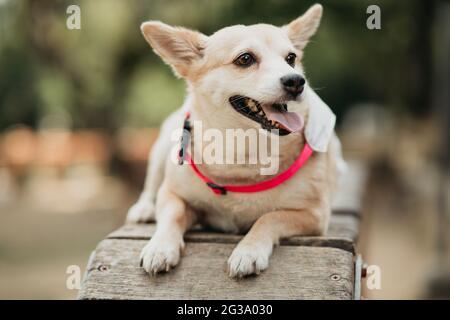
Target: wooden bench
(300, 267)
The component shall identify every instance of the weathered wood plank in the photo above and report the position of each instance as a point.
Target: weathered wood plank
(295, 272)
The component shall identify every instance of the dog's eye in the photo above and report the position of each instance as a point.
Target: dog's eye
(244, 60)
(290, 59)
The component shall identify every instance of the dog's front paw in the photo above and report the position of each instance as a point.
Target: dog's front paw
(141, 211)
(248, 259)
(161, 254)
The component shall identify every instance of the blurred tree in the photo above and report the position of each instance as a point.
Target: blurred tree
(105, 75)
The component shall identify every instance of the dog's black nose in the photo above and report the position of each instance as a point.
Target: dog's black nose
(293, 84)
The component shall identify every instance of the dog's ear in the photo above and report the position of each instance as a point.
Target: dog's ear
(303, 28)
(178, 47)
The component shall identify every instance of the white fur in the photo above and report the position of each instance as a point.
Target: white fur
(177, 198)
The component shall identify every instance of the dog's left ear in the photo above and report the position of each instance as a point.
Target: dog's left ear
(303, 28)
(178, 47)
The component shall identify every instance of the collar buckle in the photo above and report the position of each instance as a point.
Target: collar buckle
(217, 189)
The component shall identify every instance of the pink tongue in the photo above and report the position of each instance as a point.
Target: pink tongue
(289, 120)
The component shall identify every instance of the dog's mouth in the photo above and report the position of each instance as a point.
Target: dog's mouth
(271, 116)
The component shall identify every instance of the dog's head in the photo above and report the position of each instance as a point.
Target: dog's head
(245, 73)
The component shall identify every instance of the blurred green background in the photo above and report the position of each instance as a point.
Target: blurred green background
(79, 110)
(104, 75)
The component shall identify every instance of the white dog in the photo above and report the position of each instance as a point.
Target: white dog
(241, 77)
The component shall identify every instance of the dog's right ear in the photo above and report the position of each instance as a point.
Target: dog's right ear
(178, 47)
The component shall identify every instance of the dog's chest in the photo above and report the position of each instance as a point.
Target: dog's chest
(236, 212)
(231, 213)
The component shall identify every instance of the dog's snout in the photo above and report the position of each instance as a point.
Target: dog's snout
(293, 84)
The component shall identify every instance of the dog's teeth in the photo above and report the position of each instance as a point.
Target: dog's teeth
(252, 105)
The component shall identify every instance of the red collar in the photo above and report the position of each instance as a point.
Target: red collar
(304, 155)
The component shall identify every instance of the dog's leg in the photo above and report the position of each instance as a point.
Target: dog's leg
(164, 249)
(252, 254)
(144, 209)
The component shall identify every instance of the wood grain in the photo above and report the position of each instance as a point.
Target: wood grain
(295, 272)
